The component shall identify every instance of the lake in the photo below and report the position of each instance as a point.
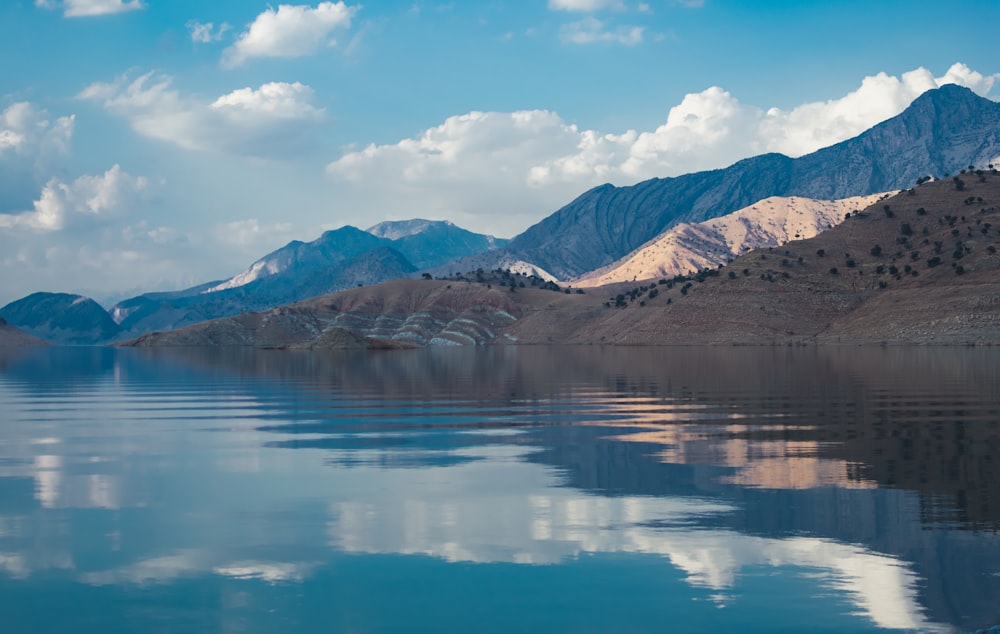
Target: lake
(532, 489)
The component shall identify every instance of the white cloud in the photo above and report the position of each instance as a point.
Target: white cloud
(33, 145)
(205, 33)
(290, 31)
(30, 132)
(586, 5)
(590, 30)
(268, 121)
(87, 8)
(516, 167)
(250, 232)
(62, 204)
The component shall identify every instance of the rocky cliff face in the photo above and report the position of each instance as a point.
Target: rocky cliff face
(943, 131)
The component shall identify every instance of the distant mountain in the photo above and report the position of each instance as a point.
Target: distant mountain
(942, 131)
(431, 243)
(687, 248)
(339, 259)
(61, 318)
(303, 258)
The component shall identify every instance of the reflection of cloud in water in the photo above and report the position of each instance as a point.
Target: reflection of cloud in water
(478, 513)
(271, 572)
(192, 563)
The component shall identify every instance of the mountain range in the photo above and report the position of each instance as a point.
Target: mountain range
(921, 267)
(342, 258)
(942, 132)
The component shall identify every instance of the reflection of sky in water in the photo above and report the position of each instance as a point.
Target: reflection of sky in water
(116, 484)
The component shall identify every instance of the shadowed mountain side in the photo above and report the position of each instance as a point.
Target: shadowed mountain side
(61, 318)
(942, 131)
(429, 243)
(379, 263)
(688, 248)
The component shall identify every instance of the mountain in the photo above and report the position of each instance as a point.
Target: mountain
(297, 258)
(921, 267)
(431, 243)
(339, 259)
(61, 318)
(942, 131)
(687, 248)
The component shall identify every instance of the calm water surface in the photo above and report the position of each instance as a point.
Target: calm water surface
(500, 490)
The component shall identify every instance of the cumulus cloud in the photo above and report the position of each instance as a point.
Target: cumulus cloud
(62, 204)
(205, 32)
(33, 144)
(268, 121)
(586, 5)
(290, 31)
(28, 131)
(590, 30)
(494, 163)
(87, 8)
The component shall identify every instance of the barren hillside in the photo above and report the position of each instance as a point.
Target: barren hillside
(691, 247)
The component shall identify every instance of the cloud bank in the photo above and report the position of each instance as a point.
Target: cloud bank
(503, 163)
(33, 145)
(88, 197)
(272, 120)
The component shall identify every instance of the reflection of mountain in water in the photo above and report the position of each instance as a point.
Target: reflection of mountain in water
(863, 446)
(849, 461)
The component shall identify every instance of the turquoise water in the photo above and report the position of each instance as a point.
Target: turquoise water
(500, 490)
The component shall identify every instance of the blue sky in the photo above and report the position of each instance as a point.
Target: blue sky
(155, 144)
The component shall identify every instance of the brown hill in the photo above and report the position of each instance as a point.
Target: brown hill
(11, 337)
(919, 268)
(690, 247)
(401, 313)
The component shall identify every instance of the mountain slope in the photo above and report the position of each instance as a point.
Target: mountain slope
(922, 267)
(431, 243)
(11, 337)
(942, 131)
(927, 271)
(297, 258)
(687, 248)
(61, 318)
(339, 259)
